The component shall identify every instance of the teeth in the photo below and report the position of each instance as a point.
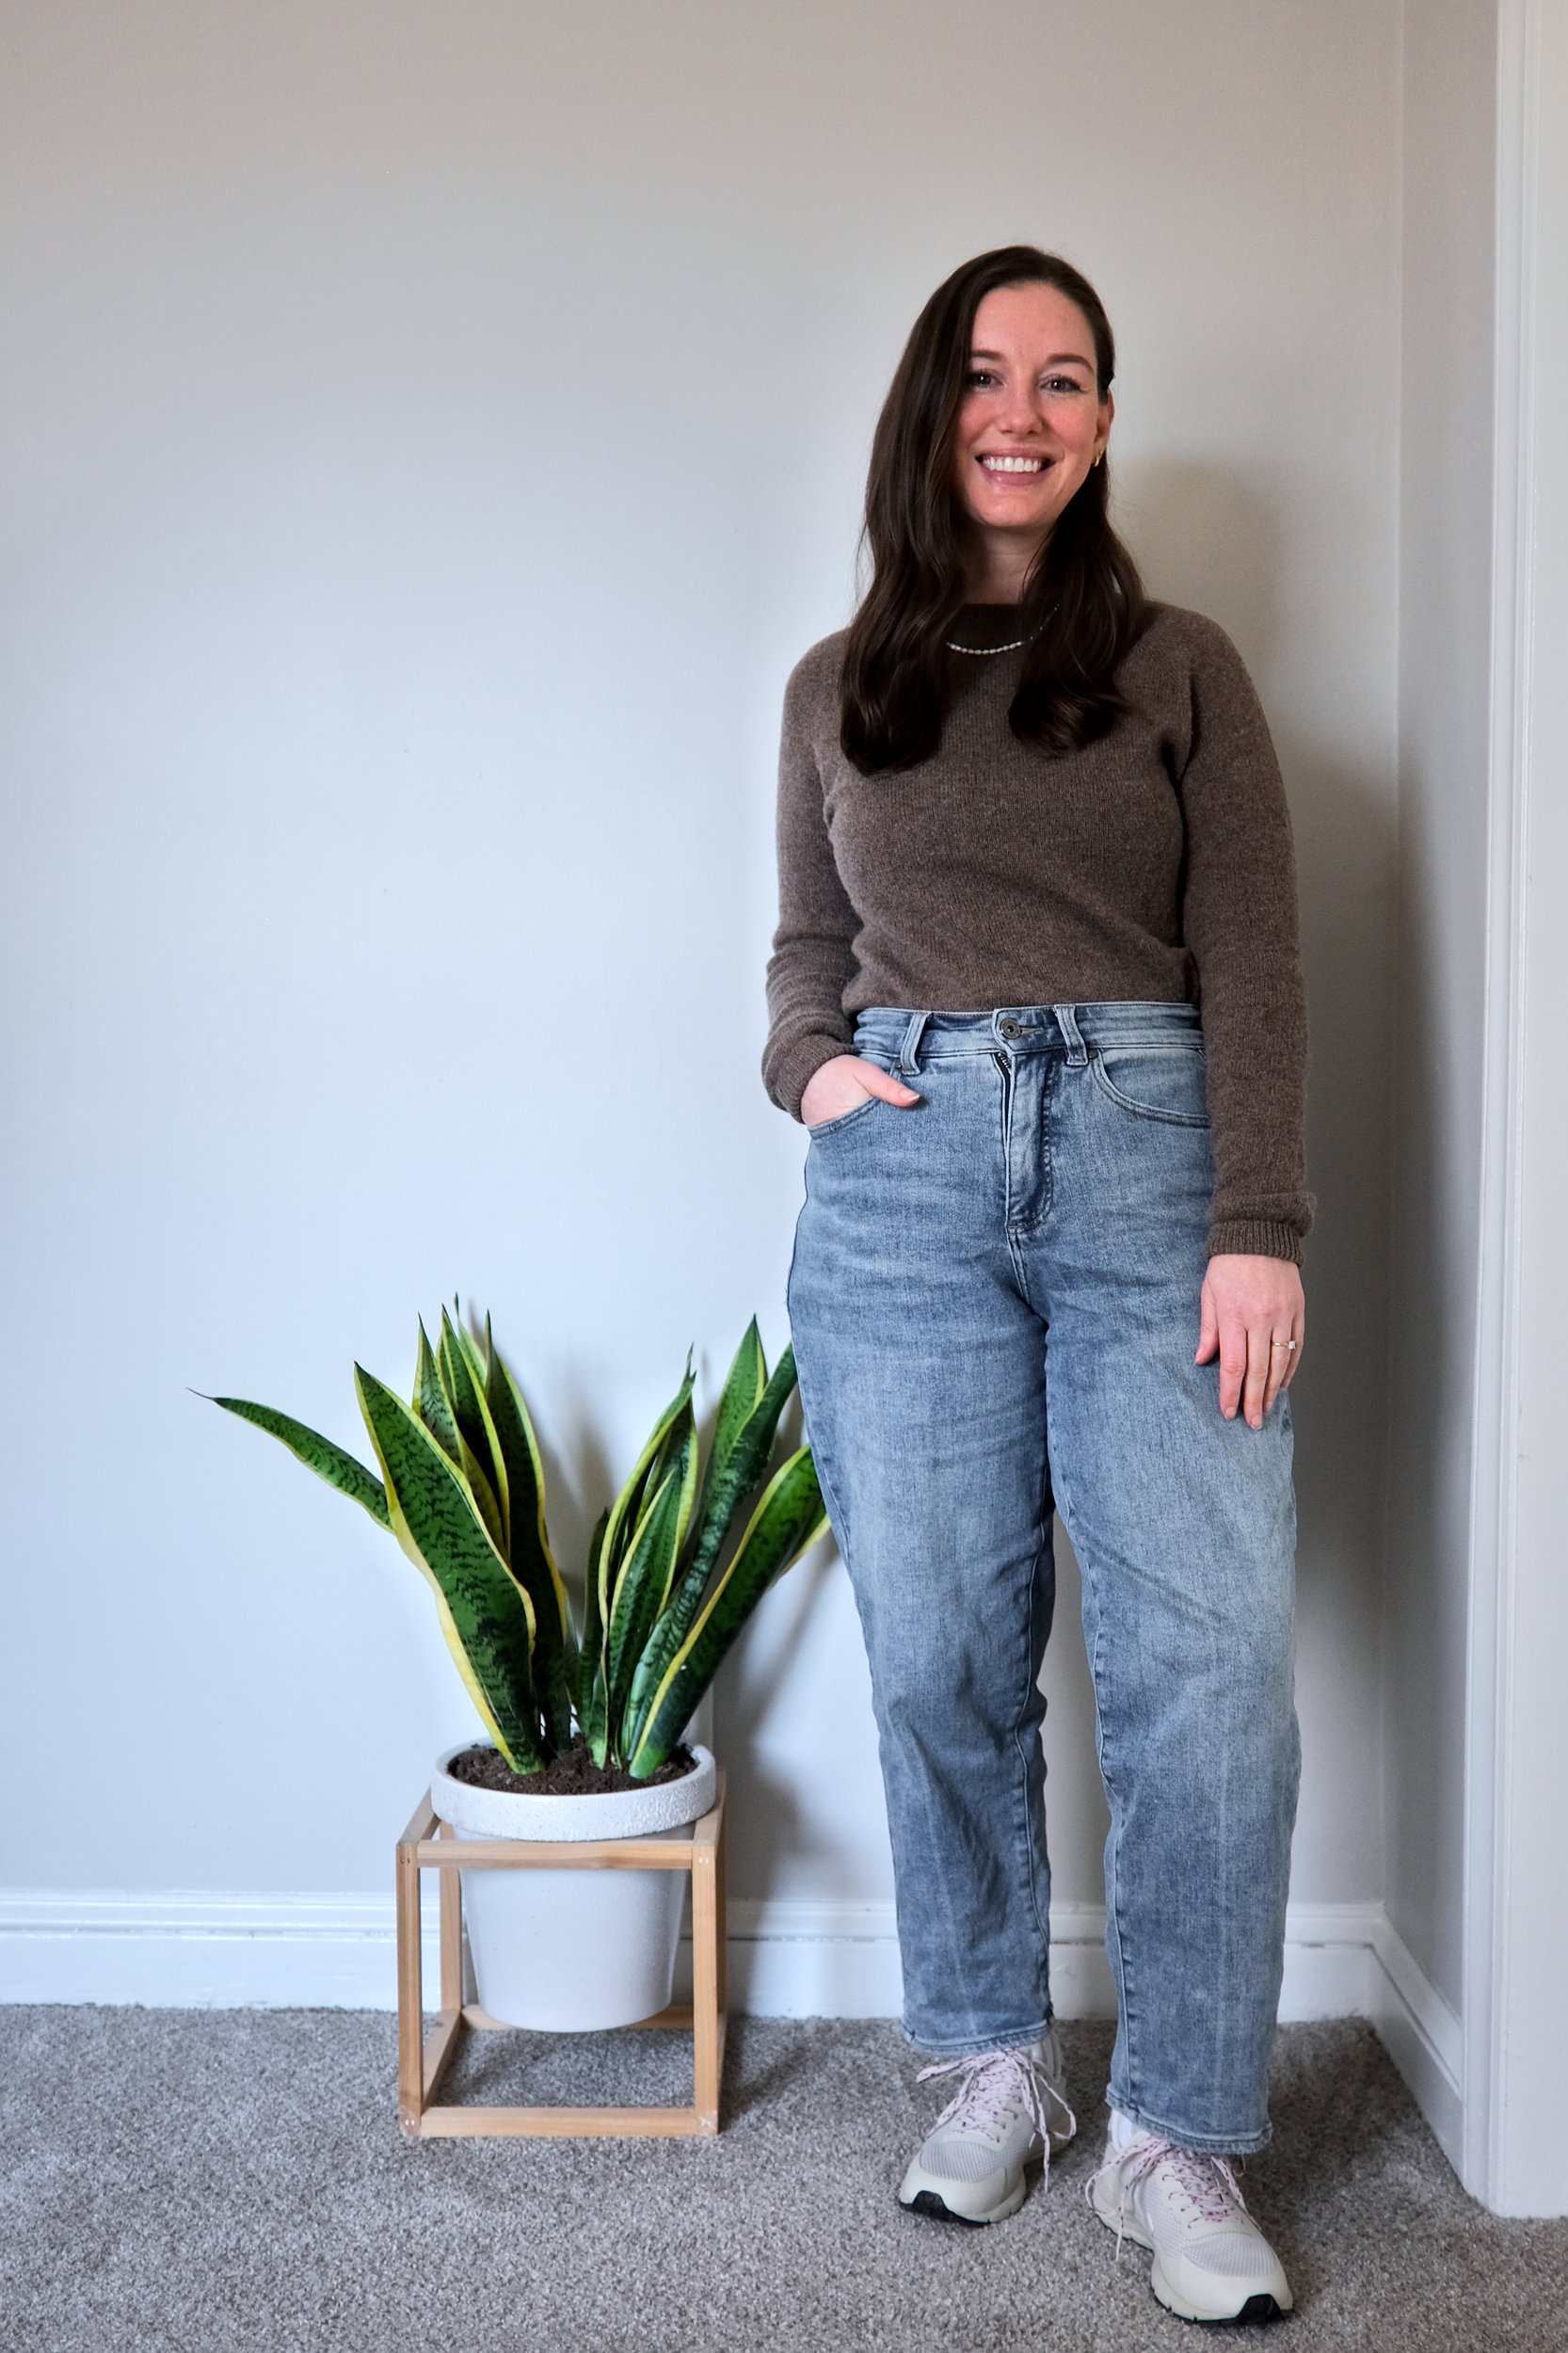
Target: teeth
(1014, 465)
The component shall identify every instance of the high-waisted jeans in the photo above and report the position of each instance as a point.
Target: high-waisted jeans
(994, 1303)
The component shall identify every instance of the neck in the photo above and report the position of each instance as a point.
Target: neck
(997, 566)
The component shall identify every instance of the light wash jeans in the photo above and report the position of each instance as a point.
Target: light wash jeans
(994, 1303)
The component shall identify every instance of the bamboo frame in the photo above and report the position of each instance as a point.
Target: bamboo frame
(423, 2059)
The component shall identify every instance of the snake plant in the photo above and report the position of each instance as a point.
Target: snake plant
(462, 1490)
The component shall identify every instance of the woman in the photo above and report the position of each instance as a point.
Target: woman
(1035, 995)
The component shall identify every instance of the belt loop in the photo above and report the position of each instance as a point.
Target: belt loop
(1078, 1053)
(908, 1054)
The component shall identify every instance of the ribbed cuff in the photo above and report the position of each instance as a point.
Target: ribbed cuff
(793, 1073)
(1254, 1238)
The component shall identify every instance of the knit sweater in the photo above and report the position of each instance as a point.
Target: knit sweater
(1154, 864)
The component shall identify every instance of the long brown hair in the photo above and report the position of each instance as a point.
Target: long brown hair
(1083, 598)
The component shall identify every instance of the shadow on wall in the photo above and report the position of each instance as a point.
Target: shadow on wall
(1206, 538)
(1437, 1095)
(1211, 538)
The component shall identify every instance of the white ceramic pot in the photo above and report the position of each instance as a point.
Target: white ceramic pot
(567, 1952)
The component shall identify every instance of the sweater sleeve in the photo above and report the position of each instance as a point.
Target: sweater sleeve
(1240, 927)
(813, 957)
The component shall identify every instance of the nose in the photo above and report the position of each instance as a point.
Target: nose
(1021, 410)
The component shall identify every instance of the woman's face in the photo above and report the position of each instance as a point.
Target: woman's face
(1032, 423)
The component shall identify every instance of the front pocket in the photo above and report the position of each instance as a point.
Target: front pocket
(1164, 1082)
(845, 1119)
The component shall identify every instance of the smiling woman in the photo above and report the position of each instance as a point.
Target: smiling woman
(1032, 423)
(991, 447)
(1034, 993)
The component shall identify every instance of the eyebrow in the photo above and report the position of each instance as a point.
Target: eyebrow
(1056, 359)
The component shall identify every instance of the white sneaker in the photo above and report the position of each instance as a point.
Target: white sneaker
(1007, 2109)
(1211, 2262)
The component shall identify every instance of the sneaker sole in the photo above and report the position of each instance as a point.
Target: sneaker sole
(933, 2206)
(929, 2203)
(1253, 2312)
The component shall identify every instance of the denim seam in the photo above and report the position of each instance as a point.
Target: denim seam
(1042, 1926)
(909, 1052)
(884, 1052)
(1103, 1740)
(1139, 1111)
(966, 2045)
(1078, 1050)
(1205, 2144)
(1005, 1106)
(1017, 1229)
(1113, 1874)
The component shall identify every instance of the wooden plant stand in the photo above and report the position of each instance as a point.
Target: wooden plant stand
(428, 1845)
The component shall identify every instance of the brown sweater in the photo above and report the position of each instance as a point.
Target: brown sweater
(1154, 864)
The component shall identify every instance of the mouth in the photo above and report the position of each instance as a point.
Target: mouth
(1010, 467)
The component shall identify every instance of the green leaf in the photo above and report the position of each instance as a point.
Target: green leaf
(340, 1469)
(645, 1582)
(430, 1400)
(633, 1611)
(789, 1517)
(531, 1562)
(594, 1720)
(479, 1450)
(454, 1357)
(590, 1657)
(744, 1386)
(478, 1360)
(745, 1460)
(628, 1507)
(744, 1465)
(485, 1615)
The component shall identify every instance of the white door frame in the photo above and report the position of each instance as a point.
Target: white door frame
(1515, 2081)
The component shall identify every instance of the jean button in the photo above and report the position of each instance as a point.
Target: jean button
(1011, 1030)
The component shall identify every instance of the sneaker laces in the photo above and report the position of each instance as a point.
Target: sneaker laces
(1207, 2185)
(993, 2083)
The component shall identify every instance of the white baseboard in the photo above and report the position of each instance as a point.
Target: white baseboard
(792, 1959)
(199, 1951)
(840, 1960)
(1424, 2035)
(787, 1959)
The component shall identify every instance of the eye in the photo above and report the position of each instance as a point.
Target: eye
(979, 377)
(1062, 384)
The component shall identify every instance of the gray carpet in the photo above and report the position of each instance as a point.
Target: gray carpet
(191, 2182)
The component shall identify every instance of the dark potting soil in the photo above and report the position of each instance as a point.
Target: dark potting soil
(573, 1774)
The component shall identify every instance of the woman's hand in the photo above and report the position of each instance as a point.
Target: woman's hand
(847, 1080)
(1252, 1310)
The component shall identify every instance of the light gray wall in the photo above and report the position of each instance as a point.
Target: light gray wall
(438, 431)
(1444, 593)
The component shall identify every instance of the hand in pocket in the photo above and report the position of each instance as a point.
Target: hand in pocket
(839, 1085)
